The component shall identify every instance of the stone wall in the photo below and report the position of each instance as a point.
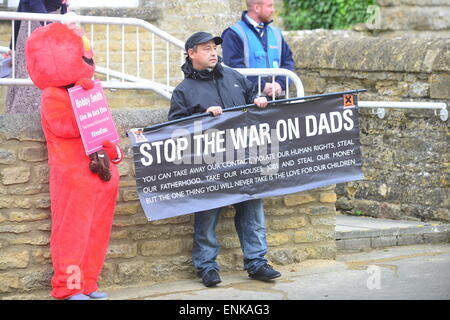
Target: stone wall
(406, 158)
(412, 18)
(299, 226)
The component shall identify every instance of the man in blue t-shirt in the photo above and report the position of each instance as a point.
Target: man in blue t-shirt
(254, 43)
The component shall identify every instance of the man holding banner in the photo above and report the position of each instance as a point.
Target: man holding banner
(209, 87)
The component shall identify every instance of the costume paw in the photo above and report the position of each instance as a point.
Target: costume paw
(100, 164)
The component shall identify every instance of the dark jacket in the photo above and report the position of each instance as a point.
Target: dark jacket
(233, 52)
(200, 90)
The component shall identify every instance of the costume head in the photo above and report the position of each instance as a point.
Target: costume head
(58, 55)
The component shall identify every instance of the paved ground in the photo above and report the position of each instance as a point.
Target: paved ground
(404, 272)
(377, 259)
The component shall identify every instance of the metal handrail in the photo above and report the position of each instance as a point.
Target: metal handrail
(378, 107)
(63, 18)
(275, 72)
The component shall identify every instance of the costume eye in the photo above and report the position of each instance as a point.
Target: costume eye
(88, 61)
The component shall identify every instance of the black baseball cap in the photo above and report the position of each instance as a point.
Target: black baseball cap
(201, 37)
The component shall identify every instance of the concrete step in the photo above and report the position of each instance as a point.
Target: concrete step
(355, 233)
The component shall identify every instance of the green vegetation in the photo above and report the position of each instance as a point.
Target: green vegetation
(324, 14)
(358, 213)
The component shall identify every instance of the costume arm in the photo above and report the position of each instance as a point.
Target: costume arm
(57, 113)
(113, 150)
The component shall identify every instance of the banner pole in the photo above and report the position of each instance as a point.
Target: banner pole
(201, 115)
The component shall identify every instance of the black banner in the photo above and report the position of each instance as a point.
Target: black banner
(210, 162)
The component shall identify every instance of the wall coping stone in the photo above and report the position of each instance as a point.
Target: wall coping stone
(325, 50)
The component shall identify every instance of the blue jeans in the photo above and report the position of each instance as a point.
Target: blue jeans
(250, 227)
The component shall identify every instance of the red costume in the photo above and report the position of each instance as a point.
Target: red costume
(82, 204)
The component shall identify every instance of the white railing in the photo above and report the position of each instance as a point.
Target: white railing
(157, 69)
(290, 76)
(154, 67)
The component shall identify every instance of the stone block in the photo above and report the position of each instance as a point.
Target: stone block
(127, 209)
(326, 251)
(288, 223)
(43, 202)
(181, 230)
(15, 202)
(313, 235)
(134, 271)
(9, 282)
(41, 256)
(384, 241)
(285, 256)
(440, 86)
(124, 168)
(119, 235)
(41, 173)
(438, 237)
(124, 250)
(27, 216)
(27, 190)
(419, 90)
(324, 209)
(277, 239)
(15, 175)
(14, 259)
(15, 228)
(179, 219)
(314, 84)
(354, 244)
(163, 247)
(7, 156)
(37, 279)
(33, 154)
(299, 199)
(329, 197)
(279, 210)
(323, 220)
(130, 195)
(149, 233)
(33, 239)
(409, 239)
